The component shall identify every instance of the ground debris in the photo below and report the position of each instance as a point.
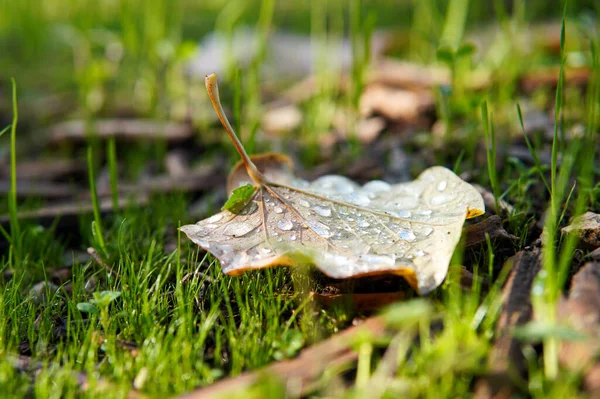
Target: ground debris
(122, 129)
(49, 190)
(548, 77)
(282, 119)
(70, 212)
(396, 104)
(587, 228)
(361, 302)
(582, 311)
(475, 234)
(201, 178)
(506, 361)
(391, 72)
(51, 169)
(490, 201)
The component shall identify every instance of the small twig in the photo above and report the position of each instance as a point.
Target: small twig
(98, 259)
(201, 275)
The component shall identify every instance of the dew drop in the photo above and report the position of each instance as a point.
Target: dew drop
(211, 226)
(377, 259)
(357, 199)
(214, 218)
(442, 185)
(425, 212)
(238, 229)
(304, 203)
(293, 237)
(285, 224)
(277, 209)
(322, 210)
(265, 251)
(376, 186)
(427, 231)
(404, 213)
(363, 223)
(407, 203)
(335, 184)
(441, 199)
(407, 235)
(319, 228)
(419, 253)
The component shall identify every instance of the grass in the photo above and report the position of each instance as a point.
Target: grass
(15, 228)
(190, 323)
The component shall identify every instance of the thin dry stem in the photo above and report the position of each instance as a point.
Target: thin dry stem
(213, 92)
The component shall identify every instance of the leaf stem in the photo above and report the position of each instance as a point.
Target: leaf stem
(213, 92)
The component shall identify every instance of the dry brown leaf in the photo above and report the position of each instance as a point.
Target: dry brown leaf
(395, 104)
(282, 119)
(587, 228)
(345, 230)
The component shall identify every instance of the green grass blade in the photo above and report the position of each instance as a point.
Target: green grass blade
(113, 172)
(5, 130)
(15, 229)
(557, 119)
(97, 225)
(532, 151)
(490, 148)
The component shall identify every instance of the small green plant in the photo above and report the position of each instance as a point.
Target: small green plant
(97, 231)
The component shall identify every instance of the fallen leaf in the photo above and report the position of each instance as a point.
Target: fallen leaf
(282, 119)
(587, 228)
(476, 234)
(395, 104)
(345, 230)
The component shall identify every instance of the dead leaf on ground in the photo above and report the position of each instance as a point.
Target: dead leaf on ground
(475, 234)
(345, 230)
(391, 72)
(366, 130)
(395, 104)
(587, 228)
(282, 119)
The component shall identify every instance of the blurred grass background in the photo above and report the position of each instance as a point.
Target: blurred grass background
(111, 53)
